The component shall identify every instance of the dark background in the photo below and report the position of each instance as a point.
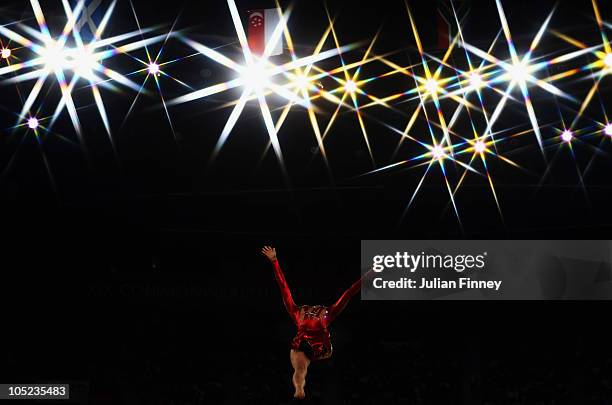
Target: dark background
(134, 273)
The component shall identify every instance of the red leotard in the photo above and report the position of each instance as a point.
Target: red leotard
(312, 321)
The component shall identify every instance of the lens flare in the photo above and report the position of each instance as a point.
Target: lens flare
(153, 68)
(475, 80)
(32, 123)
(84, 64)
(608, 61)
(432, 86)
(467, 130)
(438, 152)
(68, 61)
(350, 86)
(54, 57)
(480, 147)
(598, 69)
(301, 82)
(256, 76)
(519, 72)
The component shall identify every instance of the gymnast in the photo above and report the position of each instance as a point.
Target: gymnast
(312, 341)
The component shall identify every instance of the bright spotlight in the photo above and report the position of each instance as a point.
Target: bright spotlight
(567, 136)
(432, 86)
(301, 82)
(480, 147)
(608, 129)
(608, 60)
(6, 53)
(153, 68)
(438, 152)
(32, 123)
(84, 64)
(350, 86)
(519, 72)
(256, 76)
(475, 80)
(54, 57)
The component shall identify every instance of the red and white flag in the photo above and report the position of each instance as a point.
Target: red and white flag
(262, 24)
(447, 20)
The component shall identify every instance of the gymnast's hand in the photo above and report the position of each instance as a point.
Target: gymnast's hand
(269, 252)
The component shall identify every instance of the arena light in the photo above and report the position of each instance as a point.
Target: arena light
(67, 60)
(598, 69)
(301, 82)
(519, 72)
(351, 86)
(567, 136)
(5, 53)
(475, 80)
(480, 147)
(438, 152)
(608, 61)
(84, 63)
(153, 69)
(33, 123)
(255, 77)
(608, 129)
(432, 86)
(54, 56)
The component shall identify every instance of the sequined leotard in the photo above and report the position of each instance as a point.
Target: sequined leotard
(312, 321)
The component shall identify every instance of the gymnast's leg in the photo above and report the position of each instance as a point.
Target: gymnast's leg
(300, 364)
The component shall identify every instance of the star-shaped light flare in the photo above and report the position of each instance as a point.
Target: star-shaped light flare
(69, 60)
(520, 72)
(256, 78)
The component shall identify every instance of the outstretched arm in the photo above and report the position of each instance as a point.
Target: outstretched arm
(292, 309)
(339, 306)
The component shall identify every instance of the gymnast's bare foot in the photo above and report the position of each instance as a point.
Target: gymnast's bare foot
(299, 394)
